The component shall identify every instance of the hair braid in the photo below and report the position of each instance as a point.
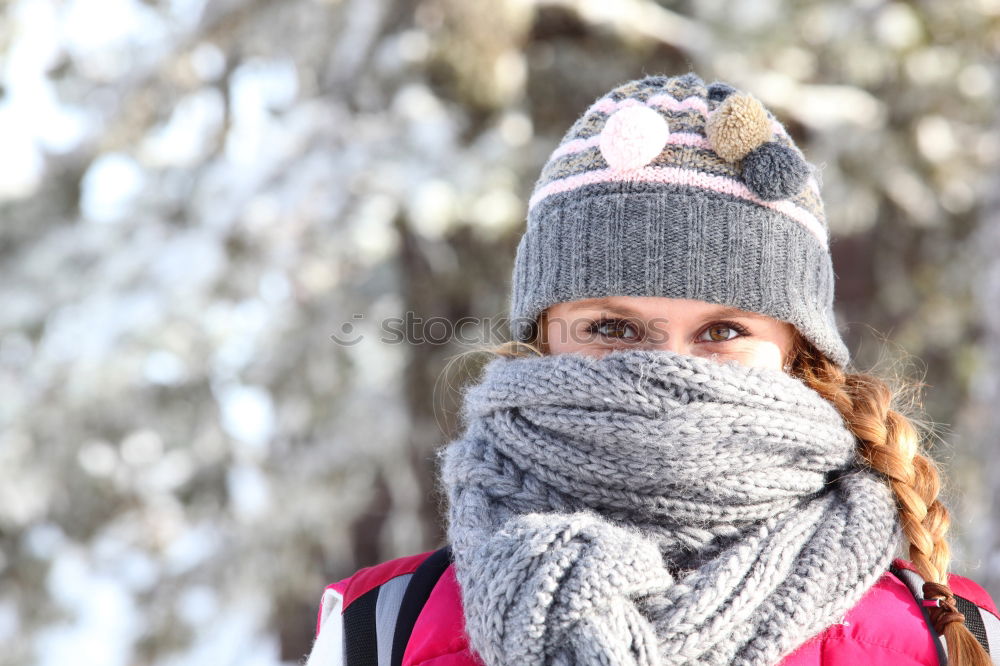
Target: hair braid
(890, 444)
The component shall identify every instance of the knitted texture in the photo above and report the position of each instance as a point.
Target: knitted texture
(653, 508)
(637, 201)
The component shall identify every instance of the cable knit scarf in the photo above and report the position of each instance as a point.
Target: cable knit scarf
(653, 508)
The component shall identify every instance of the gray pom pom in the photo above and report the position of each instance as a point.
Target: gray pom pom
(773, 171)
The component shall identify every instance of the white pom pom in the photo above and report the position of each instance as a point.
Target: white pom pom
(633, 137)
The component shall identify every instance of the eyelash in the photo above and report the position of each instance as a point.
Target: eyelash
(739, 328)
(742, 330)
(593, 328)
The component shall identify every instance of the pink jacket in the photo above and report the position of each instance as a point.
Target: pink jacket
(886, 628)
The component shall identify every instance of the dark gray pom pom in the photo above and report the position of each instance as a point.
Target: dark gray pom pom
(773, 171)
(719, 91)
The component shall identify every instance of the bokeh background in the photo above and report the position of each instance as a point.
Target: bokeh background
(196, 195)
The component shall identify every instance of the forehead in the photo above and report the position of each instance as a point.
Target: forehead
(648, 306)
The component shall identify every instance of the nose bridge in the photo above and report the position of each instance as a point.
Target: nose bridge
(663, 335)
(671, 344)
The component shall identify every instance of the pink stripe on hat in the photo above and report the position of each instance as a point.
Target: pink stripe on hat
(668, 102)
(672, 104)
(689, 177)
(575, 146)
(675, 139)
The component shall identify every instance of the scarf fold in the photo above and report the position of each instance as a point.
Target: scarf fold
(652, 508)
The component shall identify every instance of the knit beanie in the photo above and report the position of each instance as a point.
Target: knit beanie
(670, 187)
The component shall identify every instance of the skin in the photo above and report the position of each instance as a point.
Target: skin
(597, 326)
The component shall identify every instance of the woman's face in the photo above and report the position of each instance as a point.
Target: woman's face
(599, 325)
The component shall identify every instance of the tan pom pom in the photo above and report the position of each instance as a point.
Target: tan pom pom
(738, 126)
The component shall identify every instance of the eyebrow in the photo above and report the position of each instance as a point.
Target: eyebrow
(606, 303)
(736, 312)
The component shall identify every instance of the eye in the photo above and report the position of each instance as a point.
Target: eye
(618, 329)
(722, 331)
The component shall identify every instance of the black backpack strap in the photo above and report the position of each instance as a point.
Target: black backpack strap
(973, 620)
(419, 589)
(361, 630)
(915, 584)
(378, 624)
(984, 625)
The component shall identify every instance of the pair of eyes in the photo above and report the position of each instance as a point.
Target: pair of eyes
(627, 330)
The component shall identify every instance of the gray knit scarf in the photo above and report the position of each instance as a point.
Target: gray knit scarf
(653, 508)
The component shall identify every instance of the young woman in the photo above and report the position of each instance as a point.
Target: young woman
(670, 463)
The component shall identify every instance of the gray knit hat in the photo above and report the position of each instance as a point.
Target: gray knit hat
(668, 187)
